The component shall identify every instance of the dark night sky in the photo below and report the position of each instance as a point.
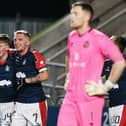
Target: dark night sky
(40, 9)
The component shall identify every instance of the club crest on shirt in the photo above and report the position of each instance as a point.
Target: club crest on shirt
(86, 44)
(24, 62)
(7, 68)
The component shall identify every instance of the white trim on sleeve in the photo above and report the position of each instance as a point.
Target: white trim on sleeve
(43, 69)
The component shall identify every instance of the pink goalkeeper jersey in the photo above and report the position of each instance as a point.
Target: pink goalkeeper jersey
(87, 53)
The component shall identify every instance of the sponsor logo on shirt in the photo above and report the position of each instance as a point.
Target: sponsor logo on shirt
(76, 64)
(20, 75)
(5, 82)
(76, 56)
(86, 44)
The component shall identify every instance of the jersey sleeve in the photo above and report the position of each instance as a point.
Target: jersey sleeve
(69, 43)
(68, 48)
(109, 49)
(40, 62)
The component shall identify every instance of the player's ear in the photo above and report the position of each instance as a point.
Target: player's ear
(28, 43)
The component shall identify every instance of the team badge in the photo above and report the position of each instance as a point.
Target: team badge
(86, 44)
(24, 62)
(7, 68)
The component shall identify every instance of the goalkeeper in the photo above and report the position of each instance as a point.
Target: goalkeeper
(87, 50)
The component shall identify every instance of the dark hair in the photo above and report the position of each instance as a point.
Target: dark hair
(5, 38)
(120, 41)
(85, 6)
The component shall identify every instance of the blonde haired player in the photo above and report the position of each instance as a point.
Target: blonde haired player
(31, 70)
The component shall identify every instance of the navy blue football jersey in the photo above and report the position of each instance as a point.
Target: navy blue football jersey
(7, 80)
(29, 65)
(117, 95)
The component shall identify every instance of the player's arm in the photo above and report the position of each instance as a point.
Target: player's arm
(67, 64)
(116, 71)
(42, 69)
(117, 68)
(67, 72)
(100, 89)
(42, 76)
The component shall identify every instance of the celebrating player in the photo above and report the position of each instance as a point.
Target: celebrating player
(31, 70)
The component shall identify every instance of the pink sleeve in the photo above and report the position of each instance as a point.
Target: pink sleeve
(68, 47)
(109, 49)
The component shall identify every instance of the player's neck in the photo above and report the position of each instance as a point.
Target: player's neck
(3, 58)
(83, 29)
(23, 52)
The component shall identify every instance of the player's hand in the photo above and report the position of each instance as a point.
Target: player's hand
(92, 88)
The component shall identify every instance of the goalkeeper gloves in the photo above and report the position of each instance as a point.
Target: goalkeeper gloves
(92, 88)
